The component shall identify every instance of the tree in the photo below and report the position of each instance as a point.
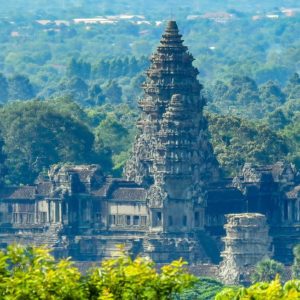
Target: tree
(125, 278)
(263, 291)
(79, 68)
(2, 160)
(267, 270)
(32, 273)
(3, 89)
(76, 88)
(277, 120)
(293, 87)
(20, 88)
(296, 263)
(243, 90)
(237, 141)
(271, 96)
(113, 92)
(37, 135)
(96, 96)
(112, 135)
(292, 133)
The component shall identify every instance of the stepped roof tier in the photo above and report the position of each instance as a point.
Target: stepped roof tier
(172, 143)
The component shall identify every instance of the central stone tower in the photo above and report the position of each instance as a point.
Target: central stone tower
(172, 156)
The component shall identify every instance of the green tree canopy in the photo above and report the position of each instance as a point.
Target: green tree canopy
(267, 270)
(32, 273)
(20, 88)
(3, 89)
(113, 92)
(37, 135)
(237, 141)
(2, 160)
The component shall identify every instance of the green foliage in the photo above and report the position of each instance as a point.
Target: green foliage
(37, 135)
(237, 141)
(292, 134)
(242, 97)
(296, 263)
(3, 89)
(293, 87)
(113, 135)
(79, 69)
(2, 160)
(204, 289)
(263, 291)
(124, 278)
(267, 270)
(113, 92)
(20, 88)
(32, 273)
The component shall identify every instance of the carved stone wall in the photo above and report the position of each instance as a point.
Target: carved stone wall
(247, 242)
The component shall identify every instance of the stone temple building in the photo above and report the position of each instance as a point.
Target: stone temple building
(172, 201)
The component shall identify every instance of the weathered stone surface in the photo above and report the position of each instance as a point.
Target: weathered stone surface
(172, 141)
(247, 242)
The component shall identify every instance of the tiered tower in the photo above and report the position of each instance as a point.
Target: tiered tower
(170, 74)
(172, 155)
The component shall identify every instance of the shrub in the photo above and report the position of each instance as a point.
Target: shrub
(273, 290)
(28, 273)
(266, 270)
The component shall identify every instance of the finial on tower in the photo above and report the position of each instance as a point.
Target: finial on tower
(172, 25)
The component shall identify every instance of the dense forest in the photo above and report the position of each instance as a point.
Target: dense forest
(69, 84)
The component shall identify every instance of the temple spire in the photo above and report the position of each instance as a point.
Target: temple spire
(172, 142)
(172, 26)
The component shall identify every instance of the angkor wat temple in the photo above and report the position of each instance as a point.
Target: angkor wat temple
(173, 199)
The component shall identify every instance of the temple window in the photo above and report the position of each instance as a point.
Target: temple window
(43, 217)
(184, 221)
(143, 220)
(136, 220)
(120, 220)
(157, 218)
(197, 219)
(98, 217)
(128, 220)
(285, 212)
(112, 219)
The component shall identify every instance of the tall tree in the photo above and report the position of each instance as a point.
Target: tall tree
(237, 141)
(267, 270)
(20, 88)
(271, 96)
(37, 135)
(2, 160)
(293, 87)
(3, 89)
(79, 68)
(113, 92)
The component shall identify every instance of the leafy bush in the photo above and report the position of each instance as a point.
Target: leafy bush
(205, 289)
(267, 270)
(32, 273)
(273, 290)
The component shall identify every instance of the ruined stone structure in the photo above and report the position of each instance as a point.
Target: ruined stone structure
(247, 242)
(172, 202)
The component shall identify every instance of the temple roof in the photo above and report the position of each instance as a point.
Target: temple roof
(18, 193)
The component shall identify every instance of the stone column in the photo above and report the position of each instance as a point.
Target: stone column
(247, 242)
